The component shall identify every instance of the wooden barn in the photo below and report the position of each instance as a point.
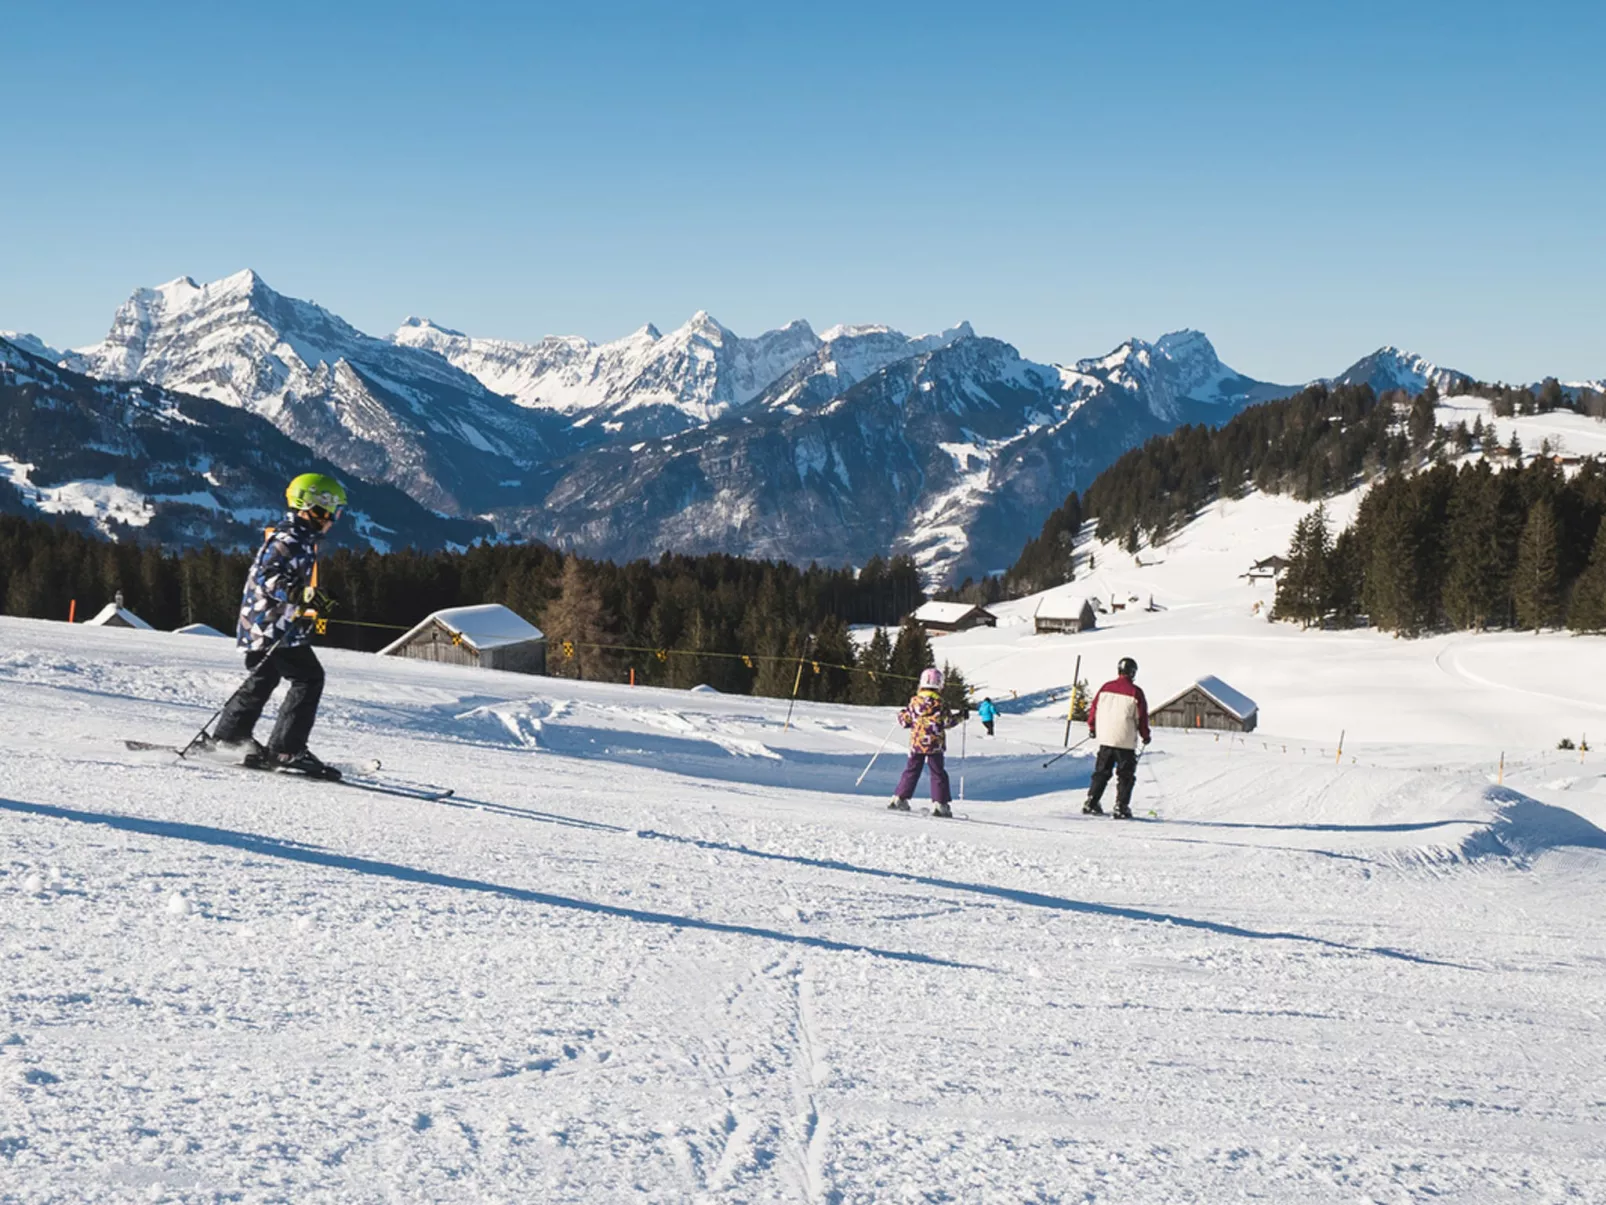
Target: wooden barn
(952, 617)
(488, 637)
(1208, 703)
(1269, 569)
(115, 615)
(1064, 613)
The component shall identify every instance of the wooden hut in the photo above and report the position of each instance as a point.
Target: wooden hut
(488, 637)
(1063, 613)
(1208, 703)
(1269, 569)
(952, 617)
(115, 615)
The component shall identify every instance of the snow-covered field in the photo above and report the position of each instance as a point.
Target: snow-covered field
(659, 947)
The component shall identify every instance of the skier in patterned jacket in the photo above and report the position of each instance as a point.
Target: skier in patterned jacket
(1117, 718)
(928, 721)
(280, 603)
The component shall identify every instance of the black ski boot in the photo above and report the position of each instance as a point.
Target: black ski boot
(1122, 812)
(898, 804)
(1091, 808)
(942, 811)
(303, 762)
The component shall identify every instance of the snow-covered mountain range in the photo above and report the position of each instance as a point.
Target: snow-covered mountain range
(382, 411)
(833, 446)
(657, 384)
(131, 458)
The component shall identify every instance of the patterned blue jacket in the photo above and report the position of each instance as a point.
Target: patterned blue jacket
(272, 599)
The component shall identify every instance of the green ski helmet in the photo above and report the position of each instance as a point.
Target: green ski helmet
(318, 492)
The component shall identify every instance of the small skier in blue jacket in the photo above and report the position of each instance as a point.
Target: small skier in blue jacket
(987, 713)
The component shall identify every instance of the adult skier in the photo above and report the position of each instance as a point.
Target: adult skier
(1117, 718)
(987, 713)
(281, 602)
(928, 721)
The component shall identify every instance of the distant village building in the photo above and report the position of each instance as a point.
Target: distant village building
(115, 615)
(1269, 569)
(952, 617)
(1063, 613)
(1208, 703)
(489, 636)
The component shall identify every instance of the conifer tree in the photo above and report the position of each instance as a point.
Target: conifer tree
(833, 648)
(1588, 610)
(1302, 591)
(1536, 585)
(911, 653)
(577, 618)
(1480, 546)
(872, 685)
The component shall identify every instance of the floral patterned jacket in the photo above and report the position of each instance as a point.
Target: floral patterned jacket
(926, 719)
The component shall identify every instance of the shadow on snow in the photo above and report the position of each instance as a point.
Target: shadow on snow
(291, 851)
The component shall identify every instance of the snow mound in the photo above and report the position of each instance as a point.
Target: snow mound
(1524, 828)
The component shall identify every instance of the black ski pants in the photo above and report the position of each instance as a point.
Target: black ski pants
(1123, 763)
(297, 712)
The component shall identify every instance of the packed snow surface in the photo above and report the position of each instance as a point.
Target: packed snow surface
(659, 947)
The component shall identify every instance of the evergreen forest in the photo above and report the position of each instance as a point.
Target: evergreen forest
(741, 626)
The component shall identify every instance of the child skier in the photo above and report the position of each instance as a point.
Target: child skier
(280, 602)
(987, 713)
(928, 721)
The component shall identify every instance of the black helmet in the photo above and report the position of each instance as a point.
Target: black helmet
(1127, 667)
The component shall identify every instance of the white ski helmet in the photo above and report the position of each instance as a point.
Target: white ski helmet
(931, 679)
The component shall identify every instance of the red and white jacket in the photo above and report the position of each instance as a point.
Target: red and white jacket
(1119, 714)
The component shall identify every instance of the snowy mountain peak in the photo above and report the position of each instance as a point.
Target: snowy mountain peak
(1390, 368)
(428, 325)
(31, 344)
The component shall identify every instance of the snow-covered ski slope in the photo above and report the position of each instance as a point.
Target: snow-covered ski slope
(660, 948)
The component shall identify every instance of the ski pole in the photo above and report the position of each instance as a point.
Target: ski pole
(964, 731)
(196, 739)
(1062, 753)
(877, 753)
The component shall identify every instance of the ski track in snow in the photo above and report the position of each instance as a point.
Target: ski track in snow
(659, 948)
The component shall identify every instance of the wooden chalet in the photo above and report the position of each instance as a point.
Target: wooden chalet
(1209, 703)
(1267, 570)
(1064, 613)
(487, 637)
(952, 617)
(115, 615)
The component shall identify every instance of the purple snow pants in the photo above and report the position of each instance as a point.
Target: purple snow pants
(911, 776)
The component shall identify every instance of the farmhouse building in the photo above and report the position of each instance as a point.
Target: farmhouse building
(487, 637)
(115, 615)
(1063, 613)
(1269, 569)
(952, 617)
(1208, 703)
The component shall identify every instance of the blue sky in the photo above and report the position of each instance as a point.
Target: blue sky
(1302, 182)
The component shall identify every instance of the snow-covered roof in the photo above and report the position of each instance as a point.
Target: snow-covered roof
(944, 612)
(1061, 606)
(111, 612)
(198, 629)
(487, 626)
(1236, 702)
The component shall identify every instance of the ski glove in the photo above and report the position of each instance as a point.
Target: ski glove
(315, 602)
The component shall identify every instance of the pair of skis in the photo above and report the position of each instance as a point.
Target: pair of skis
(365, 777)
